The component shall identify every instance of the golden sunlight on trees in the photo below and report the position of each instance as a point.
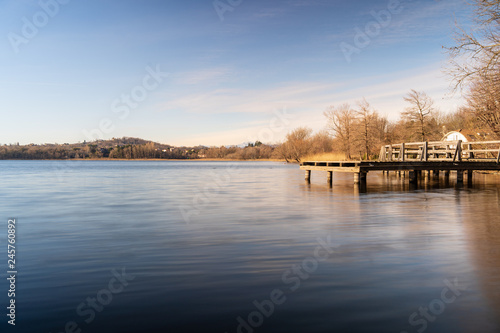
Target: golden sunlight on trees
(340, 122)
(359, 130)
(474, 64)
(483, 101)
(369, 130)
(297, 144)
(419, 114)
(477, 50)
(300, 143)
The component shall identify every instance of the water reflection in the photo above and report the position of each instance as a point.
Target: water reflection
(378, 182)
(396, 246)
(458, 223)
(482, 227)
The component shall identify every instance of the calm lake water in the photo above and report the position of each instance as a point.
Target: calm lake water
(245, 247)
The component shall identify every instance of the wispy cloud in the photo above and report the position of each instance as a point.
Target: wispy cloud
(308, 100)
(213, 75)
(308, 95)
(417, 20)
(249, 100)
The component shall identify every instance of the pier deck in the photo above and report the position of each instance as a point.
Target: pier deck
(420, 158)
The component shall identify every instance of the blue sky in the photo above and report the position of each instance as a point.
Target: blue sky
(65, 69)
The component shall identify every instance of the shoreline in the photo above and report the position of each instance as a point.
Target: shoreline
(155, 160)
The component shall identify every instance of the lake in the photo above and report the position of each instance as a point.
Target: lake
(168, 246)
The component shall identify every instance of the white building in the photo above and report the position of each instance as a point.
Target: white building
(466, 135)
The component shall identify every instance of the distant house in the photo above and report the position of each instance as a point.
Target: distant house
(466, 135)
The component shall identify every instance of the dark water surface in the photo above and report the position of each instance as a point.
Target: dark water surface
(208, 247)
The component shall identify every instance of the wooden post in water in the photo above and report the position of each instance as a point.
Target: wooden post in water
(360, 178)
(413, 175)
(460, 176)
(363, 176)
(330, 178)
(435, 174)
(469, 177)
(447, 175)
(308, 175)
(427, 174)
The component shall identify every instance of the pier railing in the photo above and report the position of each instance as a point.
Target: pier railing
(441, 151)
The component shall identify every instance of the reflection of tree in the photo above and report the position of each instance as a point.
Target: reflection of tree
(482, 227)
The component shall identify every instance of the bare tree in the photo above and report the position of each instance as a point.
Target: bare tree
(321, 143)
(296, 145)
(341, 122)
(477, 51)
(419, 112)
(366, 127)
(483, 100)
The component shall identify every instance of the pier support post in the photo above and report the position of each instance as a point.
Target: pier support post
(435, 174)
(360, 177)
(363, 176)
(469, 177)
(460, 176)
(427, 175)
(308, 175)
(413, 175)
(447, 175)
(330, 178)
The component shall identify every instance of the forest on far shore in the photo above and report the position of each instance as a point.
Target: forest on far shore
(133, 148)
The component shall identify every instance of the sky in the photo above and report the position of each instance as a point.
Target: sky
(204, 72)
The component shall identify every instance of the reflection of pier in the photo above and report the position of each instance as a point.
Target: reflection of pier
(420, 159)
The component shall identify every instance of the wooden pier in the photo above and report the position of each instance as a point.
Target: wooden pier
(419, 159)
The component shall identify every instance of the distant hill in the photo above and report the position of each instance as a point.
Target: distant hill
(131, 148)
(126, 147)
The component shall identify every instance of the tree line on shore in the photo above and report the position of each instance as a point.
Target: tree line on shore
(358, 132)
(134, 148)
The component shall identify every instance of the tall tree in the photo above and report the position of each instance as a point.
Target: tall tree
(296, 145)
(483, 100)
(365, 133)
(419, 113)
(341, 123)
(476, 52)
